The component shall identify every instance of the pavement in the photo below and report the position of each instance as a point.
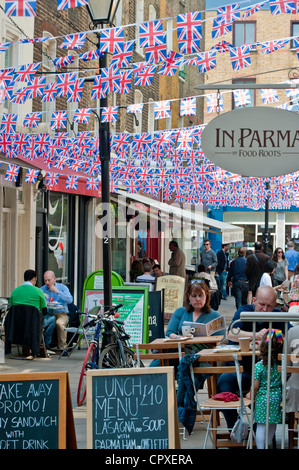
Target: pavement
(73, 365)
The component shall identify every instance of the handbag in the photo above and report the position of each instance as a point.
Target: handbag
(240, 430)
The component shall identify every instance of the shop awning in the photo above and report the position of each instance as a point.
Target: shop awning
(230, 233)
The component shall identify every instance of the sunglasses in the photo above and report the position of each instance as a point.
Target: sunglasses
(207, 244)
(280, 251)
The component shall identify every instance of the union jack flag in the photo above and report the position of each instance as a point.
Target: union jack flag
(73, 41)
(269, 95)
(9, 123)
(20, 8)
(35, 87)
(58, 120)
(206, 61)
(162, 109)
(31, 175)
(32, 119)
(135, 108)
(4, 46)
(157, 53)
(222, 46)
(12, 172)
(90, 55)
(64, 81)
(52, 179)
(141, 141)
(171, 64)
(7, 75)
(50, 92)
(92, 184)
(124, 84)
(271, 46)
(240, 57)
(253, 9)
(145, 76)
(123, 54)
(75, 90)
(228, 13)
(109, 114)
(219, 28)
(26, 72)
(63, 4)
(214, 103)
(82, 115)
(151, 34)
(97, 89)
(185, 139)
(110, 38)
(282, 6)
(19, 96)
(109, 79)
(188, 106)
(241, 97)
(63, 61)
(189, 32)
(120, 142)
(71, 182)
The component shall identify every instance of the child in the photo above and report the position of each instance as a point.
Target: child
(260, 388)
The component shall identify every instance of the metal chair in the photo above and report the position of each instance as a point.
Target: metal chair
(78, 333)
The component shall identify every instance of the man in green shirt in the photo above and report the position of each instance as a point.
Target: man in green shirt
(29, 294)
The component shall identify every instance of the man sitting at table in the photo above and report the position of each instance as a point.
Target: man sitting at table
(57, 292)
(29, 294)
(265, 301)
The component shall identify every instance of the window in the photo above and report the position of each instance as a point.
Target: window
(244, 32)
(294, 32)
(243, 86)
(49, 49)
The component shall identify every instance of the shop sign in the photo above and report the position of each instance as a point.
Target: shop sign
(258, 141)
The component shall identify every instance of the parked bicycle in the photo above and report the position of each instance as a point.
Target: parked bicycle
(109, 348)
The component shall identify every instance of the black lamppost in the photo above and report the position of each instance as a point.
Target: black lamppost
(102, 12)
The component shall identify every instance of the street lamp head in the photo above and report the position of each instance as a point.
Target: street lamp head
(102, 11)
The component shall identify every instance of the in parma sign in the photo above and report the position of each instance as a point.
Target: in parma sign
(258, 141)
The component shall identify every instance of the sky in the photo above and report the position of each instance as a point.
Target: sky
(213, 4)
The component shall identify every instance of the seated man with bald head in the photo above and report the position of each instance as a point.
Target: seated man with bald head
(264, 301)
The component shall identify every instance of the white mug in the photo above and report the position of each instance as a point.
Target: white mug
(186, 330)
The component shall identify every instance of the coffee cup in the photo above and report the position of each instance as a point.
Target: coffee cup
(244, 344)
(186, 330)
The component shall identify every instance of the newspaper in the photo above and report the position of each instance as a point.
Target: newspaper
(206, 329)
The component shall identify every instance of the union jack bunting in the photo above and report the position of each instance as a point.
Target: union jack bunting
(189, 32)
(7, 75)
(50, 92)
(31, 175)
(110, 38)
(188, 106)
(4, 46)
(124, 83)
(63, 4)
(73, 41)
(19, 96)
(26, 72)
(123, 54)
(97, 89)
(240, 57)
(71, 182)
(206, 61)
(151, 34)
(185, 139)
(63, 61)
(253, 9)
(120, 142)
(145, 76)
(36, 87)
(32, 119)
(214, 102)
(141, 141)
(269, 95)
(109, 114)
(82, 115)
(52, 179)
(9, 123)
(135, 108)
(75, 90)
(92, 184)
(228, 13)
(271, 46)
(157, 53)
(20, 8)
(58, 120)
(282, 6)
(162, 109)
(90, 55)
(219, 28)
(109, 79)
(222, 46)
(12, 172)
(241, 97)
(63, 82)
(171, 64)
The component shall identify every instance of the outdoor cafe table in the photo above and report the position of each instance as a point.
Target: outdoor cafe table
(212, 340)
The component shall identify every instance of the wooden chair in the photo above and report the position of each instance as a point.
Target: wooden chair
(220, 437)
(293, 416)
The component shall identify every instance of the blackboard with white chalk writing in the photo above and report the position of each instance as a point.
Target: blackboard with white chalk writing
(34, 411)
(131, 409)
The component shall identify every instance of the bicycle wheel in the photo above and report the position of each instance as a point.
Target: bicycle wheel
(111, 358)
(87, 364)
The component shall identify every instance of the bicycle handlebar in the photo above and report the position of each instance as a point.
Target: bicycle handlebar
(100, 316)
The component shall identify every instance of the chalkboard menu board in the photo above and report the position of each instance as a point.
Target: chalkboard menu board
(132, 409)
(35, 411)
